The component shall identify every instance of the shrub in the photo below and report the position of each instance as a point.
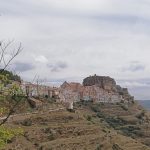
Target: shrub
(141, 115)
(95, 108)
(116, 147)
(99, 147)
(27, 122)
(6, 134)
(10, 75)
(114, 122)
(89, 118)
(100, 115)
(130, 130)
(51, 137)
(124, 107)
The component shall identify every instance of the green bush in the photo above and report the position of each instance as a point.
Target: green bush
(130, 130)
(114, 121)
(6, 134)
(10, 75)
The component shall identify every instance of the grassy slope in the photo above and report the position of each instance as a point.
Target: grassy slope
(86, 129)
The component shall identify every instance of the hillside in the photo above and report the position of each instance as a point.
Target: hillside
(11, 76)
(90, 127)
(98, 115)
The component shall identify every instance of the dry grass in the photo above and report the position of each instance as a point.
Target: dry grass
(63, 130)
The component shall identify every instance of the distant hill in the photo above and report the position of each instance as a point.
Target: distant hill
(145, 104)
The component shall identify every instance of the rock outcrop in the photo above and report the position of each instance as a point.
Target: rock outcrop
(104, 82)
(108, 84)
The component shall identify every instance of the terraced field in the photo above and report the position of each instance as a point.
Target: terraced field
(82, 130)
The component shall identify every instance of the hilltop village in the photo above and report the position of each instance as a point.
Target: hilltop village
(97, 114)
(94, 88)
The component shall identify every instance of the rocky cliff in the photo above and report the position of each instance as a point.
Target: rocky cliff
(104, 82)
(108, 84)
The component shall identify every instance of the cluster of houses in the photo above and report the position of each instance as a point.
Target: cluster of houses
(35, 90)
(94, 88)
(76, 92)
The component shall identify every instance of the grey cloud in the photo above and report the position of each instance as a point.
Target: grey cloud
(22, 67)
(134, 66)
(135, 83)
(53, 8)
(57, 66)
(98, 38)
(139, 88)
(122, 19)
(140, 93)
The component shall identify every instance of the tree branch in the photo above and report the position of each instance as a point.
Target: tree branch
(13, 55)
(10, 113)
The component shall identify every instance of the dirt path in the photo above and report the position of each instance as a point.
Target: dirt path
(23, 116)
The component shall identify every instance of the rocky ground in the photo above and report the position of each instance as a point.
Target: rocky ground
(90, 127)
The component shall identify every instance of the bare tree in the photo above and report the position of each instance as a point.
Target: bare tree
(38, 82)
(7, 55)
(4, 51)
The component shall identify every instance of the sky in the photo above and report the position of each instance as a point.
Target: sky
(72, 39)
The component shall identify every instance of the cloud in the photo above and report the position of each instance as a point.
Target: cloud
(141, 82)
(57, 66)
(140, 93)
(92, 36)
(22, 67)
(134, 67)
(41, 59)
(139, 87)
(134, 84)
